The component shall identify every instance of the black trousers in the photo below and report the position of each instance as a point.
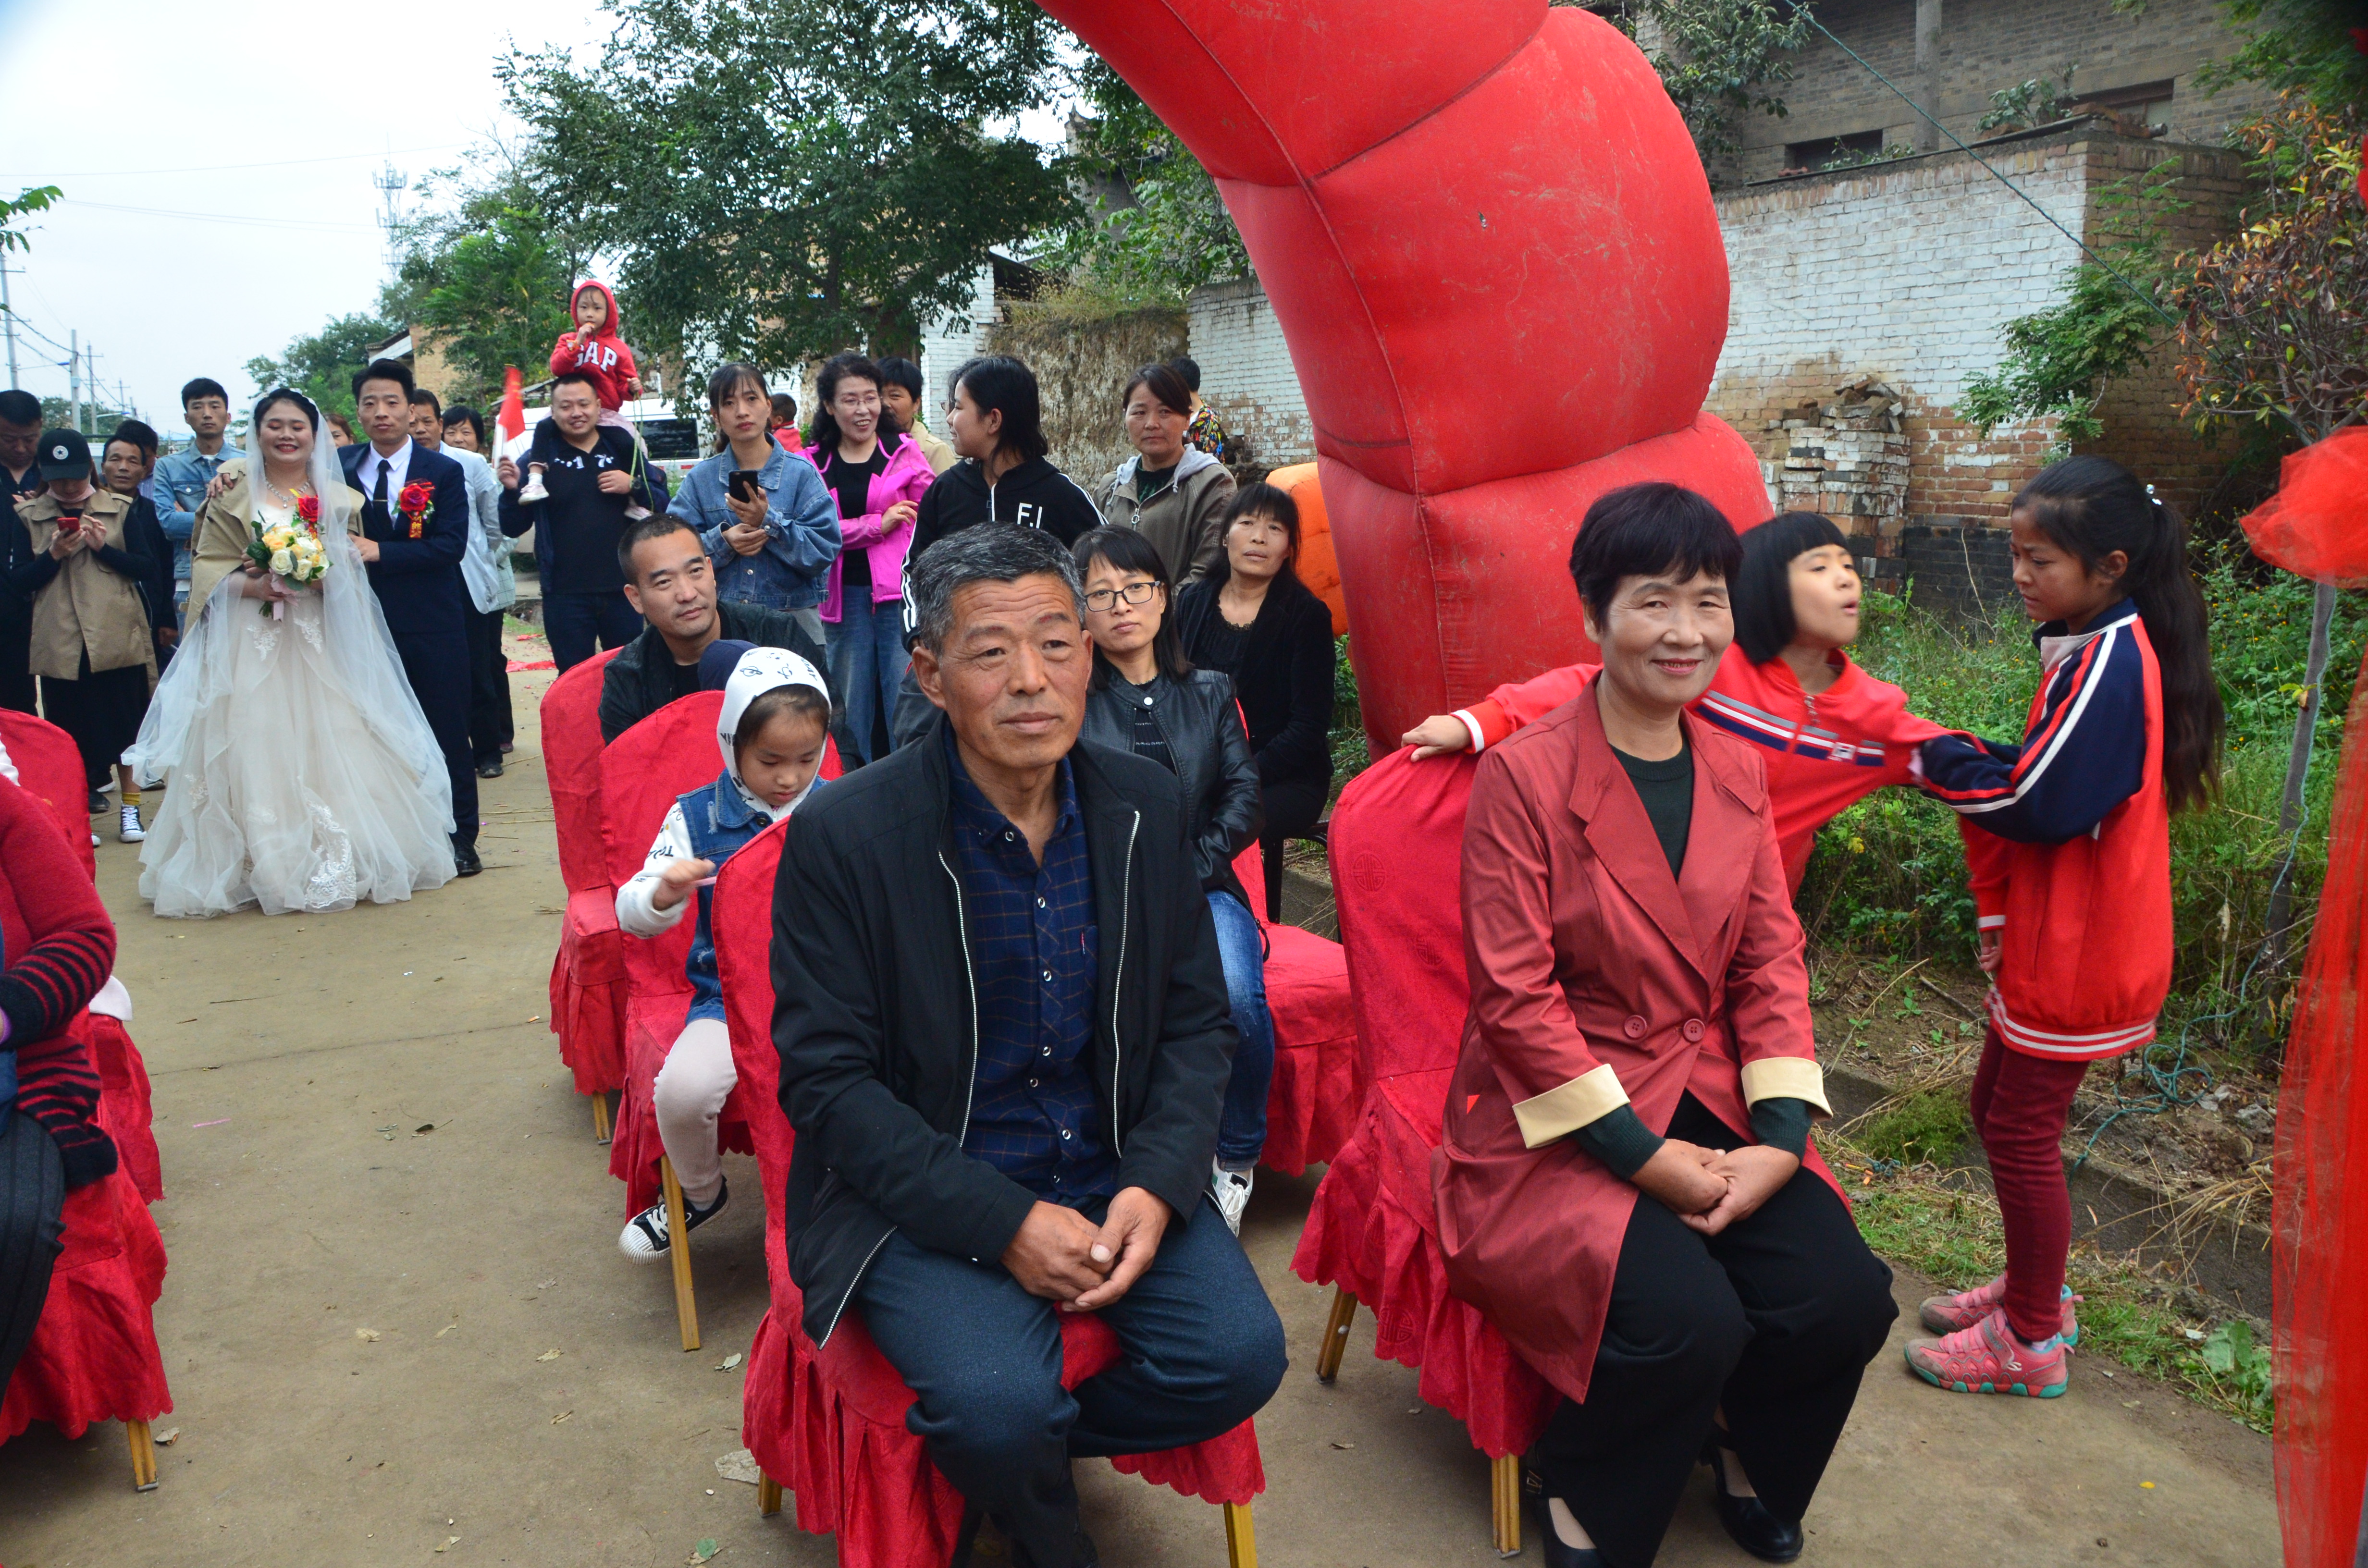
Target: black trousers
(436, 664)
(1293, 808)
(16, 688)
(1773, 1321)
(490, 726)
(32, 1196)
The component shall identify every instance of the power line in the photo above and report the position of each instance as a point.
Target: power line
(309, 225)
(227, 168)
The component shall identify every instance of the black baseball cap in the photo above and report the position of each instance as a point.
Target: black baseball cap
(63, 455)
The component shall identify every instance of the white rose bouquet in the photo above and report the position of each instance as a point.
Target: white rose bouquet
(292, 550)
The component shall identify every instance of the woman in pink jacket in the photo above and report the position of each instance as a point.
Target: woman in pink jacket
(878, 473)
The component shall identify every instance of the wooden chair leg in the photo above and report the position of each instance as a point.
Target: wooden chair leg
(1505, 1498)
(601, 1117)
(768, 1495)
(1241, 1537)
(685, 1309)
(144, 1456)
(1335, 1334)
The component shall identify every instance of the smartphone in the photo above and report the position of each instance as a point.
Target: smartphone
(71, 524)
(743, 483)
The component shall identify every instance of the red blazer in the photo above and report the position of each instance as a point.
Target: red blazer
(1598, 980)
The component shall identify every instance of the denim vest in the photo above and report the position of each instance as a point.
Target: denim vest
(719, 823)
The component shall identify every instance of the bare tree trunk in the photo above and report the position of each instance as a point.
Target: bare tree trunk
(2322, 616)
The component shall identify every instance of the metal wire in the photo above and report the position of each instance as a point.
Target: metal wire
(2140, 294)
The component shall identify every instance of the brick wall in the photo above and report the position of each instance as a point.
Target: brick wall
(1246, 374)
(1988, 45)
(1081, 365)
(947, 343)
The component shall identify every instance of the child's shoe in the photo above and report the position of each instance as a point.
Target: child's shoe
(1988, 1359)
(534, 490)
(129, 830)
(1231, 1191)
(636, 512)
(1947, 1314)
(645, 1240)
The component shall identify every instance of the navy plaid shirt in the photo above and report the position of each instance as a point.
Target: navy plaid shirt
(1033, 946)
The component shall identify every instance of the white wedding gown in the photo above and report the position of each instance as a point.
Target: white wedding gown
(302, 775)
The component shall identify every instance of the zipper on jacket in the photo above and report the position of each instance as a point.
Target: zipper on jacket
(1117, 984)
(962, 925)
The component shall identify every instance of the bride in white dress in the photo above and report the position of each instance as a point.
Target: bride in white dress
(302, 774)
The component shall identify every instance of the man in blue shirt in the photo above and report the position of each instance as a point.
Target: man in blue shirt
(181, 479)
(1004, 1038)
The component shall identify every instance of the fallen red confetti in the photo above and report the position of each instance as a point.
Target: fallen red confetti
(518, 664)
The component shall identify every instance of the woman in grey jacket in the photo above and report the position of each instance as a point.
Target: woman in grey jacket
(1174, 494)
(1147, 699)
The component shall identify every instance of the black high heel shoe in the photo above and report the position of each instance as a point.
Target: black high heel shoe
(1551, 1548)
(1747, 1520)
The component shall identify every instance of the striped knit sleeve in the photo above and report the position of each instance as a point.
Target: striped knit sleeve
(2084, 755)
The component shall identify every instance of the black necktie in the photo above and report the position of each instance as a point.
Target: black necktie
(380, 496)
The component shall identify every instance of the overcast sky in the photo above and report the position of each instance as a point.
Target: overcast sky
(137, 109)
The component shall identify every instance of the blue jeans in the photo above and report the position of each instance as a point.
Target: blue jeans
(867, 659)
(1203, 1352)
(1241, 1131)
(575, 622)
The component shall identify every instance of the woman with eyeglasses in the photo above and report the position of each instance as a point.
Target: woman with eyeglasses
(1148, 699)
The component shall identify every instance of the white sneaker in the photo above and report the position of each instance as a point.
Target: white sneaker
(129, 831)
(645, 1240)
(1231, 1191)
(534, 490)
(636, 512)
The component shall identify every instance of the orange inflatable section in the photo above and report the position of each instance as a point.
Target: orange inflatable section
(1507, 199)
(1319, 565)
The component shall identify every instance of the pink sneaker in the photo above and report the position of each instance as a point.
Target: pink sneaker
(1947, 1314)
(1987, 1358)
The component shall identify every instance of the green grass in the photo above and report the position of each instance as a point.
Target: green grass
(1931, 1124)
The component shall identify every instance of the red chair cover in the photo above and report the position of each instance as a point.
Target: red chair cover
(1396, 848)
(587, 973)
(1313, 1103)
(127, 1109)
(94, 1355)
(49, 765)
(829, 1424)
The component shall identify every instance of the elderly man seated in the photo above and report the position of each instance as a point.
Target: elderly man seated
(1005, 1039)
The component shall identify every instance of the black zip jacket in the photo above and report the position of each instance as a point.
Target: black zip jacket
(1288, 670)
(1035, 496)
(639, 680)
(874, 1014)
(1197, 718)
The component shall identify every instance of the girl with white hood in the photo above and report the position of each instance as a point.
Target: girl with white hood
(775, 717)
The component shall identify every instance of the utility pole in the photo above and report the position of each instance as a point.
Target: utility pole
(9, 322)
(74, 374)
(1927, 73)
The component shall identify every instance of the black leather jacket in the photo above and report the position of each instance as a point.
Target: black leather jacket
(1204, 730)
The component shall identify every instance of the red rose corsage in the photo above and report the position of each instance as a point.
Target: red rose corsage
(417, 504)
(308, 510)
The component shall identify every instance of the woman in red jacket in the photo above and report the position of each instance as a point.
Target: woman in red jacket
(1621, 1184)
(1830, 733)
(2068, 834)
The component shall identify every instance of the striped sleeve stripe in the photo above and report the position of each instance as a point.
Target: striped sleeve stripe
(57, 979)
(2045, 747)
(1766, 729)
(2071, 1047)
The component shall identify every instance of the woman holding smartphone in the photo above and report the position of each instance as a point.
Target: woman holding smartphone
(877, 473)
(763, 514)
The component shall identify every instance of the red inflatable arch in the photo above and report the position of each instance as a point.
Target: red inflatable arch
(1491, 247)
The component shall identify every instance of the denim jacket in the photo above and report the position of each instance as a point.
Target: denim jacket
(800, 524)
(181, 480)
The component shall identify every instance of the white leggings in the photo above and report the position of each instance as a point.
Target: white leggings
(688, 1098)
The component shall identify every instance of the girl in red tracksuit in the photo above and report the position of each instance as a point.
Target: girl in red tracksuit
(1831, 733)
(2068, 836)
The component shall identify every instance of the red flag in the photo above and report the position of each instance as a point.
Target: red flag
(513, 414)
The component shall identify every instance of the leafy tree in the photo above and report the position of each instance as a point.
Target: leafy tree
(2030, 105)
(57, 414)
(322, 365)
(1717, 58)
(2295, 46)
(1154, 227)
(2058, 359)
(489, 277)
(31, 199)
(779, 178)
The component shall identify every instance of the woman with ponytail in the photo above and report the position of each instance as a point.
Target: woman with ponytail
(2068, 837)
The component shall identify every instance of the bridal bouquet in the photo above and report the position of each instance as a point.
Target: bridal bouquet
(291, 551)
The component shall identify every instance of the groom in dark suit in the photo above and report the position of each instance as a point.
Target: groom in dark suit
(415, 567)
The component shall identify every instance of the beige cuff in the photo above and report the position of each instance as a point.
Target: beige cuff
(1785, 1078)
(1565, 1109)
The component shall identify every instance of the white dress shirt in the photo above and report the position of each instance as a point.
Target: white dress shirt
(397, 466)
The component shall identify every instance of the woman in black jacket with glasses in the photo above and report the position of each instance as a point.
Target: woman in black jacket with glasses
(1147, 698)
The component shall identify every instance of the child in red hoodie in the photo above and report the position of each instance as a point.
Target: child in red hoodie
(1831, 732)
(2068, 834)
(593, 347)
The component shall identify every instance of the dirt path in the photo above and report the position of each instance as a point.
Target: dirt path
(297, 1062)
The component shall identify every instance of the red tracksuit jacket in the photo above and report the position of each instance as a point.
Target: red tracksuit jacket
(1823, 752)
(2069, 840)
(606, 358)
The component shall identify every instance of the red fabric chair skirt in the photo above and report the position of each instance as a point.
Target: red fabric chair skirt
(588, 992)
(127, 1109)
(94, 1355)
(1374, 1230)
(653, 1022)
(1311, 1107)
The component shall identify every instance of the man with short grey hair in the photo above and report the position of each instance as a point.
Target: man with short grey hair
(1005, 1038)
